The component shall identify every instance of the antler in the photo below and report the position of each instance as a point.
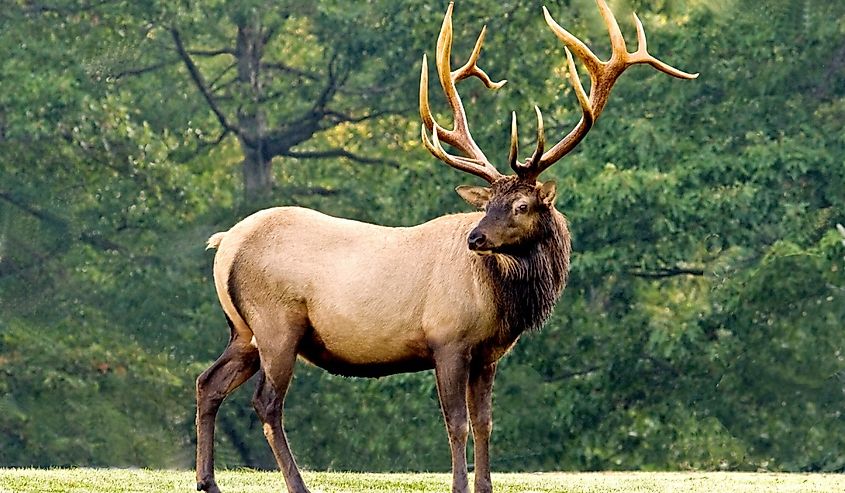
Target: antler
(602, 77)
(474, 161)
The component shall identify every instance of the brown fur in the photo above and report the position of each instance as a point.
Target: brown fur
(365, 300)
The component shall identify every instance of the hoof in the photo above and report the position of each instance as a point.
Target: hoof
(209, 486)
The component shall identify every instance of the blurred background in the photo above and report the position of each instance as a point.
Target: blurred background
(703, 324)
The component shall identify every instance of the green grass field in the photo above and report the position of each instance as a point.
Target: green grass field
(245, 481)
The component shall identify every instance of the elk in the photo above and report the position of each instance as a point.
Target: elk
(453, 294)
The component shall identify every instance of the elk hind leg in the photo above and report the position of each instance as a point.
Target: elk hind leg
(269, 399)
(235, 366)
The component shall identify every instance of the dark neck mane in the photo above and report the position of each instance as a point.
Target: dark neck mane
(527, 284)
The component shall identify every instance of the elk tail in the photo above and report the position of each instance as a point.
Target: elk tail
(215, 240)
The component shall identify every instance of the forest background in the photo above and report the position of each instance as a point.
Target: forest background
(703, 324)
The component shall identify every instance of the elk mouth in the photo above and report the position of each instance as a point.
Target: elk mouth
(481, 248)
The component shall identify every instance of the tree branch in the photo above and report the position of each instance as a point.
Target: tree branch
(34, 7)
(35, 259)
(272, 29)
(274, 95)
(281, 141)
(341, 153)
(664, 272)
(143, 70)
(281, 67)
(202, 146)
(92, 239)
(196, 76)
(38, 214)
(571, 374)
(212, 53)
(662, 365)
(346, 118)
(331, 88)
(219, 76)
(368, 90)
(321, 191)
(215, 142)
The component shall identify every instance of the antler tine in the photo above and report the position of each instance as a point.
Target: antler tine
(471, 67)
(602, 77)
(512, 155)
(591, 61)
(541, 139)
(617, 41)
(460, 137)
(524, 169)
(468, 165)
(642, 55)
(425, 110)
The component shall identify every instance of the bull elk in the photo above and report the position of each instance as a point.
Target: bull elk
(453, 294)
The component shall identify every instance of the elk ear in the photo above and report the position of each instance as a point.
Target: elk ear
(548, 193)
(477, 196)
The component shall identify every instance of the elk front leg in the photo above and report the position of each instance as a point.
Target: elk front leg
(452, 373)
(480, 399)
(237, 363)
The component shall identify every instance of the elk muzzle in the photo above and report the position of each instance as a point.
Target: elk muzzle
(477, 241)
(489, 234)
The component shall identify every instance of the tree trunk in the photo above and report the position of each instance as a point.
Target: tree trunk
(257, 167)
(257, 173)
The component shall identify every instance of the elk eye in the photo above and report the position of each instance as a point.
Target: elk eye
(522, 208)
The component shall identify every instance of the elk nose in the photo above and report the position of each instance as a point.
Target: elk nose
(476, 240)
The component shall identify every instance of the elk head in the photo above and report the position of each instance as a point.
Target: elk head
(517, 205)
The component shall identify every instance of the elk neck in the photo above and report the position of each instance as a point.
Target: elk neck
(526, 284)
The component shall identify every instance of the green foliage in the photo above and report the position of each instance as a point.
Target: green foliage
(702, 325)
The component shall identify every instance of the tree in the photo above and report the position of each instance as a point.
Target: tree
(701, 327)
(275, 75)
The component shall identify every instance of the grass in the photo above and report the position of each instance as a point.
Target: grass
(247, 481)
